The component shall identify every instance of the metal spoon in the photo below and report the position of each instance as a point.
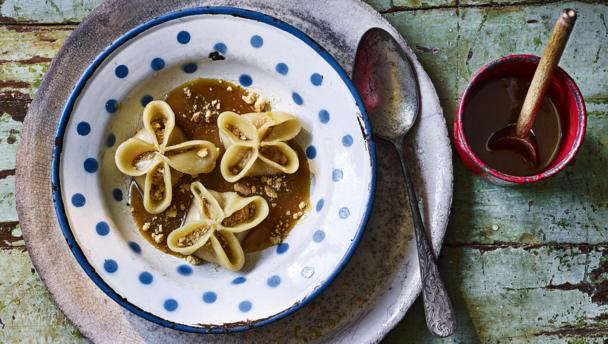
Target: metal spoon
(386, 81)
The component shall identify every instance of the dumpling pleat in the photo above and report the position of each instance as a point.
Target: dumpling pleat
(191, 237)
(135, 157)
(159, 119)
(192, 157)
(157, 188)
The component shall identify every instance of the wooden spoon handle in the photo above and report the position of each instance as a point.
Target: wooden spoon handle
(546, 67)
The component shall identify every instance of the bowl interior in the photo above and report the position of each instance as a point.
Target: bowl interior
(105, 109)
(562, 91)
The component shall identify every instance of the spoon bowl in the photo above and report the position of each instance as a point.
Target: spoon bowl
(387, 84)
(507, 138)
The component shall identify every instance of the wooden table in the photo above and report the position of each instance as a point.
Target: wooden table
(523, 265)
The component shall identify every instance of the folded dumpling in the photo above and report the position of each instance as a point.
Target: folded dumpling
(255, 144)
(213, 223)
(158, 148)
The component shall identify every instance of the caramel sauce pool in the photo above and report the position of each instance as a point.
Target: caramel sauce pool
(198, 96)
(496, 104)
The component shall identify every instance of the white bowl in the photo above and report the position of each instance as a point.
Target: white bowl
(105, 109)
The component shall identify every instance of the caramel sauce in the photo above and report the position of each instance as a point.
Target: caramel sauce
(496, 104)
(198, 96)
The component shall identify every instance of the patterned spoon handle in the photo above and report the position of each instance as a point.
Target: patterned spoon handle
(438, 309)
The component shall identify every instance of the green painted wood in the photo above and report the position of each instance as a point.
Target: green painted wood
(524, 265)
(47, 11)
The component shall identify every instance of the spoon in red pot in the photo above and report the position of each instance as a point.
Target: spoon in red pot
(518, 137)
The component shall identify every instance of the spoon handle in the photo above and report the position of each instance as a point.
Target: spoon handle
(542, 76)
(438, 309)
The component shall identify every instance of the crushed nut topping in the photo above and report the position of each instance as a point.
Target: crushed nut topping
(193, 260)
(243, 189)
(270, 192)
(203, 153)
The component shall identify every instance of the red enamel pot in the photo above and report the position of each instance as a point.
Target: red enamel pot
(563, 92)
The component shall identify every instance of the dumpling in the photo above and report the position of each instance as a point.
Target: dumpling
(255, 144)
(213, 223)
(157, 149)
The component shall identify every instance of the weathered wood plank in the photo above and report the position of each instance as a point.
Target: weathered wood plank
(433, 36)
(48, 11)
(27, 313)
(489, 33)
(521, 295)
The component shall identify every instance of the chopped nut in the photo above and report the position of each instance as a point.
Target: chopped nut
(187, 92)
(196, 116)
(260, 105)
(229, 88)
(275, 240)
(158, 238)
(302, 205)
(192, 260)
(203, 153)
(208, 115)
(250, 98)
(145, 227)
(243, 189)
(270, 192)
(273, 205)
(288, 213)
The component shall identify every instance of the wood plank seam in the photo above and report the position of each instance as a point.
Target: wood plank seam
(489, 5)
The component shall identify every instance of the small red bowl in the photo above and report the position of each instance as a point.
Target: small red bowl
(563, 92)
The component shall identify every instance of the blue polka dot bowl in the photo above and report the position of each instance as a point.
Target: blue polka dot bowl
(91, 195)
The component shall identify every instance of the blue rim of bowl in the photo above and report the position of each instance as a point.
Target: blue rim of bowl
(57, 149)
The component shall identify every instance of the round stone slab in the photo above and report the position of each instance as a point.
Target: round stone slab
(381, 280)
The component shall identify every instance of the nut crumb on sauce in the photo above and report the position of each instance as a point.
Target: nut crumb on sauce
(145, 227)
(229, 88)
(250, 98)
(196, 116)
(243, 189)
(158, 238)
(270, 192)
(302, 205)
(260, 104)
